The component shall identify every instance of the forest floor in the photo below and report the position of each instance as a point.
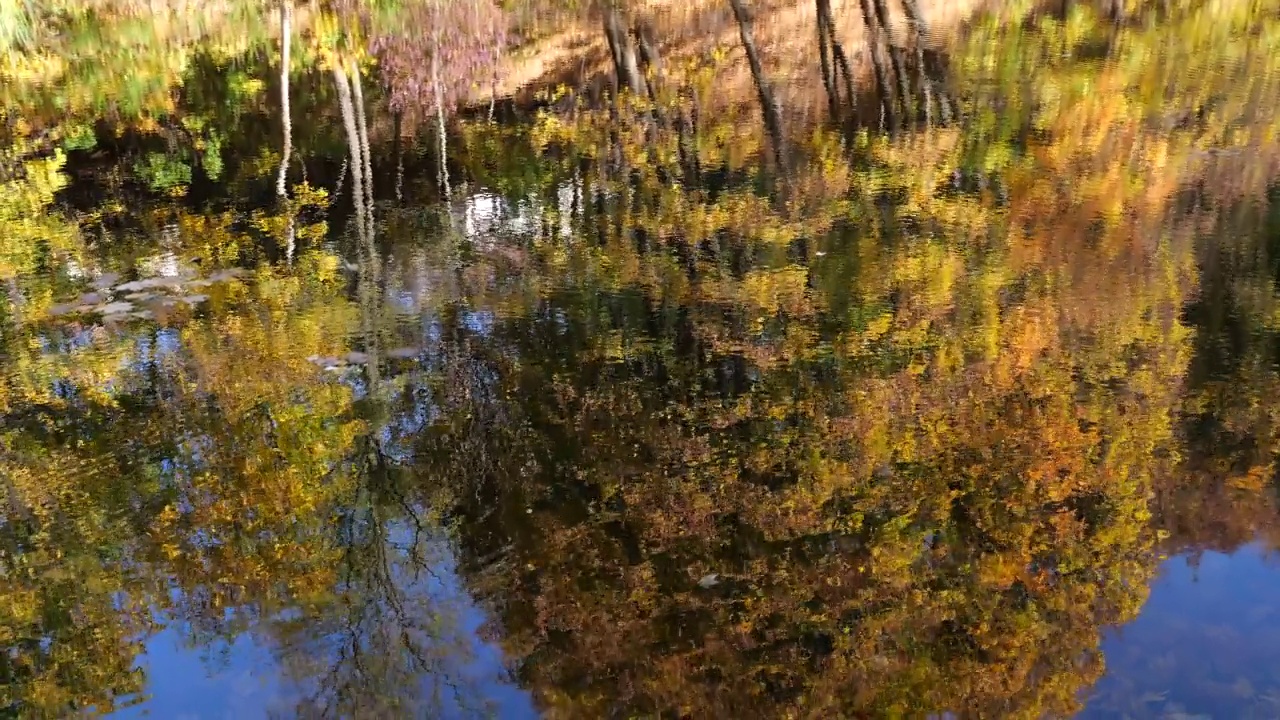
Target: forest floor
(695, 33)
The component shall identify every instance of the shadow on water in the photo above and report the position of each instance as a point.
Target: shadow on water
(925, 370)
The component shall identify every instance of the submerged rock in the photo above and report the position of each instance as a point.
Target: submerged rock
(115, 308)
(105, 280)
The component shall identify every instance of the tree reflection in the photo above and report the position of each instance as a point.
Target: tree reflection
(915, 481)
(889, 424)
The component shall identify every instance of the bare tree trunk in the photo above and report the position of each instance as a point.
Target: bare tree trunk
(828, 79)
(926, 86)
(624, 55)
(826, 22)
(286, 112)
(368, 293)
(398, 151)
(356, 128)
(895, 58)
(912, 8)
(353, 143)
(880, 65)
(444, 146)
(687, 146)
(342, 179)
(768, 106)
(648, 49)
(651, 69)
(922, 31)
(651, 72)
(363, 128)
(286, 29)
(687, 138)
(290, 239)
(842, 61)
(443, 170)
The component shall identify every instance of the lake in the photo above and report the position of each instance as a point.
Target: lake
(688, 373)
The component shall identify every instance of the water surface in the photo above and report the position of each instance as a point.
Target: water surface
(655, 410)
